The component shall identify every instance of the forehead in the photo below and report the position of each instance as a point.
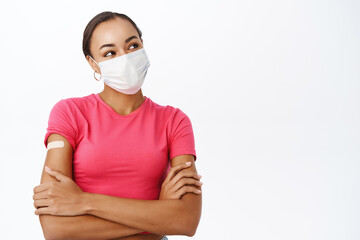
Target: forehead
(114, 31)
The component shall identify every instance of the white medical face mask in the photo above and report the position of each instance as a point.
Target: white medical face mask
(126, 73)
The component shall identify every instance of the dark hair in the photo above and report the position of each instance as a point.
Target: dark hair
(102, 17)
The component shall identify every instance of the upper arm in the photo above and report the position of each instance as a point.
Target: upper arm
(62, 126)
(62, 121)
(182, 149)
(181, 136)
(183, 159)
(59, 159)
(192, 202)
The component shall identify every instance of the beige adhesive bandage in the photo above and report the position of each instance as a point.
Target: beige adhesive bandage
(55, 144)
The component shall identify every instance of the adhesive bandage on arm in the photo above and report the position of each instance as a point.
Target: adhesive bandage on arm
(55, 144)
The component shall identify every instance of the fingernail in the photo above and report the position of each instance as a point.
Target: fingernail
(198, 190)
(188, 163)
(201, 183)
(47, 169)
(199, 175)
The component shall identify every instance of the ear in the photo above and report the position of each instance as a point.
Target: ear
(142, 41)
(92, 64)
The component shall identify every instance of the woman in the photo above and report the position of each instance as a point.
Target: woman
(116, 161)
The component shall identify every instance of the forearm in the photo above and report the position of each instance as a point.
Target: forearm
(166, 217)
(83, 227)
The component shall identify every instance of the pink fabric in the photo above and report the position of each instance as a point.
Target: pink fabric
(123, 156)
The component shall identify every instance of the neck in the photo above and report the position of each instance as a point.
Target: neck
(122, 103)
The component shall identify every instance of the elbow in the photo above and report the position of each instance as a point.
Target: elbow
(50, 228)
(187, 222)
(187, 225)
(185, 229)
(192, 220)
(191, 228)
(52, 236)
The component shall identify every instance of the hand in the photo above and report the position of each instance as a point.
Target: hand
(175, 184)
(62, 198)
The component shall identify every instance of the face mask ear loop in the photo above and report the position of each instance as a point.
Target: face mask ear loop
(95, 71)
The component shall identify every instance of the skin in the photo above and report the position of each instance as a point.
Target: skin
(115, 31)
(65, 211)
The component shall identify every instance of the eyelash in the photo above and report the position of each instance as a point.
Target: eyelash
(137, 45)
(105, 55)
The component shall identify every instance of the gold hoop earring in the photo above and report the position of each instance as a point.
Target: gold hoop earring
(95, 76)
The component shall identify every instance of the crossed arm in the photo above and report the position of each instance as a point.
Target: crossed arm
(108, 217)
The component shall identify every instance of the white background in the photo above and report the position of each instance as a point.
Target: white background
(272, 89)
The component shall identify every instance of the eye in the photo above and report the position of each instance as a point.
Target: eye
(135, 45)
(108, 53)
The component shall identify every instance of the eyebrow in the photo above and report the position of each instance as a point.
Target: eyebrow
(113, 45)
(130, 38)
(107, 45)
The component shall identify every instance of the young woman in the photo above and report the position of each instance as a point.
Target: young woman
(118, 165)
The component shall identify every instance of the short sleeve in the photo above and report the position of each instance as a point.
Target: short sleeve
(61, 122)
(181, 135)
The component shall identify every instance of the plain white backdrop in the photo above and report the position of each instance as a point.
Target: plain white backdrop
(272, 89)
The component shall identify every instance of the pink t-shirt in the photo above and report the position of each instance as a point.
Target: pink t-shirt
(123, 156)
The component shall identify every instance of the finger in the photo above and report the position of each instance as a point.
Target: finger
(182, 174)
(40, 195)
(56, 174)
(176, 169)
(187, 189)
(41, 187)
(43, 210)
(186, 181)
(41, 203)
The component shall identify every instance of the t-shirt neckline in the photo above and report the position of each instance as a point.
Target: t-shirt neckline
(133, 113)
